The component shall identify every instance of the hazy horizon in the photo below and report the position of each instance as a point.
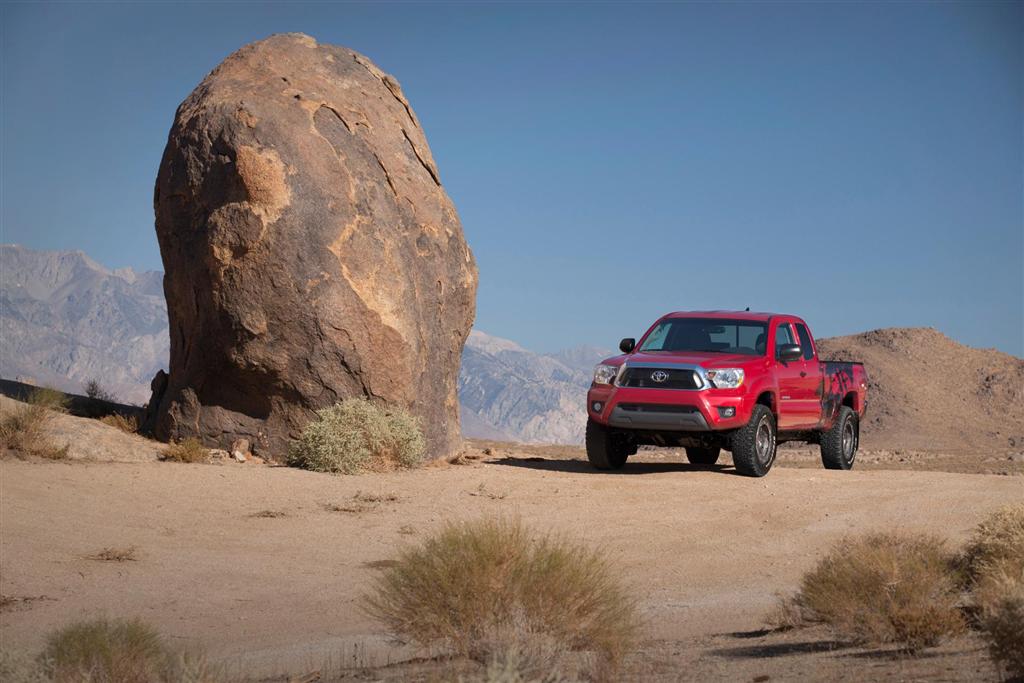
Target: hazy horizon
(859, 165)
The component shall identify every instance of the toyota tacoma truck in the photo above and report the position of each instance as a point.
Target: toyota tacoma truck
(712, 380)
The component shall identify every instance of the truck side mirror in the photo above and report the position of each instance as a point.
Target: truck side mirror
(789, 352)
(627, 344)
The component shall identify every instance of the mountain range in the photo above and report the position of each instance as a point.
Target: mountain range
(65, 319)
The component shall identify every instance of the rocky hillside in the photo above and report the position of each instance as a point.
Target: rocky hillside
(65, 319)
(929, 392)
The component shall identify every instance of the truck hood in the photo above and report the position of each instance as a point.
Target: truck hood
(708, 360)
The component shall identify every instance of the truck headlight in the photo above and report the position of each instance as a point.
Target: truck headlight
(725, 378)
(605, 374)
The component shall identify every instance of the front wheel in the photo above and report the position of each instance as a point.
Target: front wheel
(753, 444)
(604, 451)
(839, 444)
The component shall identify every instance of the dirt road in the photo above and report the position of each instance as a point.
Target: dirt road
(263, 566)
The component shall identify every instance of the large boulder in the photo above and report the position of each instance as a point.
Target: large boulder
(311, 252)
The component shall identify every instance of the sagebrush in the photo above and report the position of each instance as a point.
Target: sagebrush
(105, 651)
(491, 590)
(118, 651)
(356, 435)
(885, 588)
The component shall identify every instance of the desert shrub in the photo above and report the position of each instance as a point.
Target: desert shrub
(356, 435)
(885, 588)
(102, 651)
(128, 424)
(23, 428)
(491, 590)
(48, 398)
(189, 450)
(116, 651)
(93, 389)
(1000, 597)
(997, 540)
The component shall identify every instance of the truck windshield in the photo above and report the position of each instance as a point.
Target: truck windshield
(704, 335)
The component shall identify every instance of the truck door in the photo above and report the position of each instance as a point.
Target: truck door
(790, 382)
(810, 383)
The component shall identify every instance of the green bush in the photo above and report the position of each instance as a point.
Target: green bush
(356, 435)
(885, 589)
(495, 592)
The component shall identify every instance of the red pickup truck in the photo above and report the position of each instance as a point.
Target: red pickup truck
(712, 380)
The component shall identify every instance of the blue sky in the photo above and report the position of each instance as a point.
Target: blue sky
(858, 164)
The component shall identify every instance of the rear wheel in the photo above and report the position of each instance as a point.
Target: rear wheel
(703, 456)
(839, 444)
(753, 444)
(604, 450)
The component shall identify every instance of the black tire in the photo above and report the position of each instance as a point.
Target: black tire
(754, 457)
(604, 451)
(839, 444)
(703, 456)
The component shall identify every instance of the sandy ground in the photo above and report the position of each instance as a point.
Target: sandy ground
(263, 566)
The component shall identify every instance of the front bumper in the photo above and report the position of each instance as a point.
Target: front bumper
(667, 409)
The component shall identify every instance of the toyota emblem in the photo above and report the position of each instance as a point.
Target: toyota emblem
(659, 376)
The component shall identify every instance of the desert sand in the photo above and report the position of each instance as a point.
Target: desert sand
(262, 567)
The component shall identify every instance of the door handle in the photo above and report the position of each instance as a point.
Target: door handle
(803, 374)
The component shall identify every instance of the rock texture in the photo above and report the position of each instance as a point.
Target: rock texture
(311, 252)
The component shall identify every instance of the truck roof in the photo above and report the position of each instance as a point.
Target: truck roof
(734, 315)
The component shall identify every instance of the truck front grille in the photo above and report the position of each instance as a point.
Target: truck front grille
(677, 378)
(656, 408)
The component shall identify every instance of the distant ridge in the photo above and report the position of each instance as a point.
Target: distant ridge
(66, 319)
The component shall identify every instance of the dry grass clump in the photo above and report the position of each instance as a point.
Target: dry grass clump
(115, 555)
(1000, 598)
(997, 540)
(23, 428)
(117, 651)
(356, 436)
(491, 590)
(126, 423)
(885, 588)
(994, 564)
(103, 651)
(189, 450)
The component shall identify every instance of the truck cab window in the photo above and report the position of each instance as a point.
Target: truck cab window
(783, 335)
(805, 342)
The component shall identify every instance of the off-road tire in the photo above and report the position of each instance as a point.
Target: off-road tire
(604, 451)
(703, 456)
(746, 455)
(839, 444)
